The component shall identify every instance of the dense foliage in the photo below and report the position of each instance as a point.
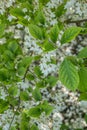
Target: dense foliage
(30, 40)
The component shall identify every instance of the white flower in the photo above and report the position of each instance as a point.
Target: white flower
(24, 10)
(83, 104)
(2, 11)
(58, 115)
(19, 26)
(53, 22)
(2, 94)
(23, 85)
(10, 18)
(6, 127)
(43, 127)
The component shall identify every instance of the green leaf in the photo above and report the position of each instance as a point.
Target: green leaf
(35, 112)
(13, 46)
(52, 80)
(2, 28)
(44, 2)
(54, 33)
(13, 90)
(23, 65)
(41, 84)
(36, 94)
(37, 71)
(21, 71)
(85, 118)
(48, 46)
(13, 128)
(70, 34)
(2, 48)
(64, 127)
(83, 96)
(78, 129)
(23, 22)
(17, 12)
(36, 31)
(1, 128)
(8, 55)
(13, 101)
(25, 62)
(46, 107)
(24, 96)
(83, 31)
(83, 53)
(40, 18)
(34, 127)
(24, 124)
(30, 77)
(4, 74)
(83, 79)
(68, 75)
(60, 10)
(60, 25)
(73, 59)
(10, 66)
(3, 105)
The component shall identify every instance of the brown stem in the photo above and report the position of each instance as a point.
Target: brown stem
(11, 121)
(24, 77)
(75, 21)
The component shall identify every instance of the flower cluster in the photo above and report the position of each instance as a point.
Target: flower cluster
(68, 110)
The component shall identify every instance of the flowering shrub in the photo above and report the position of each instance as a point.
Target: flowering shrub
(43, 65)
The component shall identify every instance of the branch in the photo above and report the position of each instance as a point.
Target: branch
(11, 121)
(14, 115)
(75, 21)
(24, 77)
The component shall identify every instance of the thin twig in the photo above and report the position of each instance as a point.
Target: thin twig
(75, 21)
(11, 121)
(24, 77)
(14, 114)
